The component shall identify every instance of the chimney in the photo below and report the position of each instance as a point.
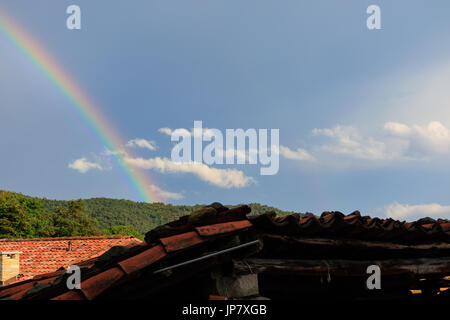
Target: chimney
(9, 266)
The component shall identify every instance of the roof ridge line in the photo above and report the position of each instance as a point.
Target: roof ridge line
(67, 238)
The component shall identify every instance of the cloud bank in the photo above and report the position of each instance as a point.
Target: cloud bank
(411, 212)
(224, 178)
(346, 140)
(164, 193)
(421, 141)
(397, 141)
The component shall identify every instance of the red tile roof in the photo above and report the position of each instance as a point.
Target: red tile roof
(142, 259)
(174, 237)
(181, 241)
(354, 226)
(166, 242)
(221, 228)
(95, 285)
(45, 255)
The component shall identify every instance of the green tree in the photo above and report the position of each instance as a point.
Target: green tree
(22, 217)
(122, 230)
(71, 222)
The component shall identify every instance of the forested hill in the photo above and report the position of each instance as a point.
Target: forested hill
(109, 216)
(142, 216)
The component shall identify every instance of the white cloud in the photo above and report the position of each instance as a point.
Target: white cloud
(167, 131)
(206, 132)
(241, 156)
(398, 129)
(142, 143)
(82, 165)
(224, 178)
(397, 141)
(402, 142)
(299, 154)
(411, 212)
(346, 140)
(164, 194)
(422, 141)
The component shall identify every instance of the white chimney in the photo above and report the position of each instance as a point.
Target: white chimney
(9, 266)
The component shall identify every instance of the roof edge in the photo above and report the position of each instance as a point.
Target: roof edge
(69, 238)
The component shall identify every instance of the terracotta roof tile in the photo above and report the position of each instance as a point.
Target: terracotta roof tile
(221, 228)
(18, 295)
(445, 226)
(183, 225)
(11, 290)
(181, 241)
(165, 241)
(335, 224)
(95, 285)
(70, 295)
(142, 259)
(213, 297)
(16, 291)
(45, 255)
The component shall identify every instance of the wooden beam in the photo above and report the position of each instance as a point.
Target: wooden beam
(343, 267)
(340, 243)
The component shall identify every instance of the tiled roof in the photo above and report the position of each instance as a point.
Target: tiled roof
(162, 243)
(354, 226)
(45, 255)
(208, 229)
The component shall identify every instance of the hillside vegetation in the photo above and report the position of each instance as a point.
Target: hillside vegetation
(24, 216)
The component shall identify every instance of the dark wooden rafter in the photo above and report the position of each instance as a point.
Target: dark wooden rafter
(346, 268)
(296, 247)
(358, 243)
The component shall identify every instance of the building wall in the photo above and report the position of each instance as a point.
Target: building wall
(9, 266)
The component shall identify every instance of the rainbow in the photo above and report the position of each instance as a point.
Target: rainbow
(79, 101)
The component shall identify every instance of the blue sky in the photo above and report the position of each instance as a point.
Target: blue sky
(370, 108)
